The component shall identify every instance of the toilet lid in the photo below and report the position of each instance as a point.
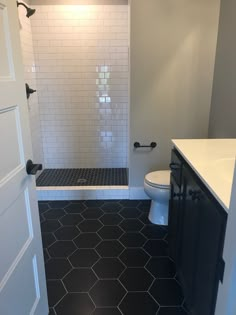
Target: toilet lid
(158, 179)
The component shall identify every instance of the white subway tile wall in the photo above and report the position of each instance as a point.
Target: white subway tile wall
(81, 55)
(30, 78)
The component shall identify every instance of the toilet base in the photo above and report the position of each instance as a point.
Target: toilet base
(158, 213)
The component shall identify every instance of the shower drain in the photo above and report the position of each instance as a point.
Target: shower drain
(81, 181)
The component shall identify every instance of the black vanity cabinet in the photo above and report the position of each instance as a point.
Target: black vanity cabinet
(175, 205)
(199, 244)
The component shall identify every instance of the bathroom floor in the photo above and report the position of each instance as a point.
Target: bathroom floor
(105, 258)
(83, 177)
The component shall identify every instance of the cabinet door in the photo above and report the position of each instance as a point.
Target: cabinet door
(175, 205)
(203, 229)
(210, 249)
(190, 223)
(174, 220)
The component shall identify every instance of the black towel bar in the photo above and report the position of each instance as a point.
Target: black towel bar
(152, 145)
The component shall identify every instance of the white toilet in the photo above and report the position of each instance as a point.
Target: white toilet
(157, 187)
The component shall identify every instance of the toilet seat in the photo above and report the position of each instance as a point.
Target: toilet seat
(158, 179)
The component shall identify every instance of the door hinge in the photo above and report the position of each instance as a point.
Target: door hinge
(221, 269)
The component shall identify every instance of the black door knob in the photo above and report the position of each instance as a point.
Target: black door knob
(174, 166)
(178, 195)
(195, 194)
(32, 169)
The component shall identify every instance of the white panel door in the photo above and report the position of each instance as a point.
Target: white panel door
(22, 276)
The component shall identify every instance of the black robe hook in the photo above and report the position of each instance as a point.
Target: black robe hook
(28, 90)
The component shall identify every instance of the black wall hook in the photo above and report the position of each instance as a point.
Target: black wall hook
(32, 169)
(152, 145)
(28, 90)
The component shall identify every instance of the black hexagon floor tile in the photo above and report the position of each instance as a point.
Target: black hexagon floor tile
(133, 239)
(111, 207)
(41, 218)
(93, 203)
(161, 267)
(108, 254)
(156, 248)
(92, 213)
(50, 226)
(56, 291)
(76, 207)
(54, 214)
(80, 280)
(57, 268)
(90, 226)
(167, 292)
(108, 268)
(130, 213)
(130, 279)
(110, 232)
(43, 206)
(153, 232)
(48, 239)
(144, 218)
(71, 219)
(110, 248)
(111, 219)
(107, 293)
(74, 304)
(51, 311)
(172, 311)
(45, 255)
(83, 258)
(138, 303)
(144, 205)
(87, 240)
(106, 311)
(131, 225)
(61, 249)
(134, 257)
(130, 203)
(66, 233)
(59, 204)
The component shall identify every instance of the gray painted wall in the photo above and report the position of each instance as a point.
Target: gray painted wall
(78, 2)
(172, 55)
(223, 108)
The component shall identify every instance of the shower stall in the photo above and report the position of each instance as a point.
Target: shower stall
(77, 58)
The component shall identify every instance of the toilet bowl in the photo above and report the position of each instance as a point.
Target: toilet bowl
(157, 187)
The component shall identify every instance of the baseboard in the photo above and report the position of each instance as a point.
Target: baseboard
(82, 194)
(137, 193)
(91, 193)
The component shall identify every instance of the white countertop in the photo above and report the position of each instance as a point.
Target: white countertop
(213, 160)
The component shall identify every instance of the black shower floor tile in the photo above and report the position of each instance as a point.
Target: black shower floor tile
(102, 259)
(83, 177)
